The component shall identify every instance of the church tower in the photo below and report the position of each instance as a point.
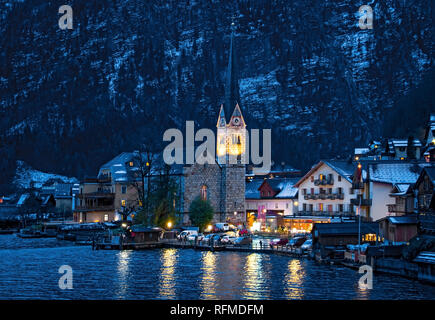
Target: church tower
(231, 146)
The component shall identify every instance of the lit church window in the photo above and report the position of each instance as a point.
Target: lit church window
(204, 192)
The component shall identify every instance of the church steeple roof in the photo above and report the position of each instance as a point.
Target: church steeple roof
(237, 117)
(222, 121)
(232, 95)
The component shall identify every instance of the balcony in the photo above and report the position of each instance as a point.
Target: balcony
(324, 196)
(96, 201)
(361, 202)
(324, 181)
(95, 208)
(358, 185)
(97, 195)
(325, 213)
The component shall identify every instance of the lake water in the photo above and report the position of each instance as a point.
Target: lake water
(29, 270)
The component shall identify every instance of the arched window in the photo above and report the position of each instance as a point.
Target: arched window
(204, 192)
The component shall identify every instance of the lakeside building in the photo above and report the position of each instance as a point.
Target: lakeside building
(114, 193)
(270, 202)
(325, 194)
(387, 183)
(398, 230)
(342, 234)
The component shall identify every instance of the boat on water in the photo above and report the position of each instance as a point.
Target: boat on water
(29, 233)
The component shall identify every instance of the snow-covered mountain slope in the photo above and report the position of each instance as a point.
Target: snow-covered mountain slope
(25, 177)
(71, 100)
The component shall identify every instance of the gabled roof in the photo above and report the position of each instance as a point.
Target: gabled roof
(284, 187)
(400, 189)
(121, 171)
(252, 189)
(342, 167)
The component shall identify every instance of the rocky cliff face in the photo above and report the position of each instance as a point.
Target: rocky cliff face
(72, 99)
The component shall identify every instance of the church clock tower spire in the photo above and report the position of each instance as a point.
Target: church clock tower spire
(232, 96)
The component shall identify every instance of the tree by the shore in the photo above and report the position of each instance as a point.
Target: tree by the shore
(201, 213)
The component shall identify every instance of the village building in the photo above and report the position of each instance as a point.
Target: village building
(270, 203)
(387, 183)
(325, 194)
(398, 230)
(113, 194)
(390, 149)
(345, 233)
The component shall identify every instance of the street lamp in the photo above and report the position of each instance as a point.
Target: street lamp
(209, 227)
(169, 224)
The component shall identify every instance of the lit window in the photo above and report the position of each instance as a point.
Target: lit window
(123, 202)
(106, 217)
(204, 192)
(131, 164)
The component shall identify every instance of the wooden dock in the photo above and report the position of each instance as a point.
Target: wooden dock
(282, 250)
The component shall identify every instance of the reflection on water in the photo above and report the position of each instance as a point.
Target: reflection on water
(293, 280)
(183, 274)
(123, 258)
(254, 277)
(208, 268)
(167, 271)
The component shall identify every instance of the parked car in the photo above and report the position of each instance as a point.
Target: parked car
(211, 237)
(228, 239)
(296, 242)
(191, 237)
(222, 226)
(186, 233)
(308, 245)
(279, 242)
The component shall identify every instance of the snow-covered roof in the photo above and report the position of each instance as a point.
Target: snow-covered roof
(401, 188)
(361, 150)
(287, 189)
(394, 173)
(403, 142)
(119, 166)
(251, 189)
(284, 187)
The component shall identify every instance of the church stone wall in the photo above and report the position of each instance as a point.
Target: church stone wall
(235, 192)
(198, 175)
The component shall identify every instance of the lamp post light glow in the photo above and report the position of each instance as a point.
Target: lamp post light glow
(209, 227)
(169, 224)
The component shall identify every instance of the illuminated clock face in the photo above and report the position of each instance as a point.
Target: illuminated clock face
(236, 121)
